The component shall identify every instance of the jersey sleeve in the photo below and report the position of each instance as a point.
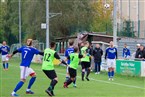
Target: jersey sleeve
(80, 56)
(8, 48)
(0, 50)
(20, 49)
(66, 53)
(36, 51)
(56, 55)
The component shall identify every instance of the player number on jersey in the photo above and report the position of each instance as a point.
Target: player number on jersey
(72, 58)
(25, 54)
(46, 57)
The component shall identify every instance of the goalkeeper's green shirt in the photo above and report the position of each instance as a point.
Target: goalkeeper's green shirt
(48, 59)
(84, 52)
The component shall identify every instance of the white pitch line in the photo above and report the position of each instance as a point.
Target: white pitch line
(102, 81)
(108, 82)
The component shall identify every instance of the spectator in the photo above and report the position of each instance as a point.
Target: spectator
(97, 54)
(142, 52)
(126, 51)
(137, 51)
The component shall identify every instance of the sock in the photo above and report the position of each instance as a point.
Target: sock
(109, 74)
(52, 85)
(4, 65)
(19, 85)
(31, 82)
(69, 81)
(88, 72)
(83, 74)
(112, 73)
(13, 93)
(7, 65)
(67, 77)
(74, 82)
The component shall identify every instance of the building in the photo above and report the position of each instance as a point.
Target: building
(135, 11)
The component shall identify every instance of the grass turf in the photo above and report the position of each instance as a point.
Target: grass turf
(98, 86)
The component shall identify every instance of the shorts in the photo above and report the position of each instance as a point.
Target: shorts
(72, 72)
(51, 74)
(5, 58)
(26, 71)
(85, 65)
(111, 63)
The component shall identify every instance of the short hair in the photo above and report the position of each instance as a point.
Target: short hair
(71, 42)
(75, 49)
(52, 44)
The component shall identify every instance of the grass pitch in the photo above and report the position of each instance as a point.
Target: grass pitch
(98, 86)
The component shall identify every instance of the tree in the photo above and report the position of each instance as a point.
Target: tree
(102, 17)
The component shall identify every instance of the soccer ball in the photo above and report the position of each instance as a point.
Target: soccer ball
(107, 6)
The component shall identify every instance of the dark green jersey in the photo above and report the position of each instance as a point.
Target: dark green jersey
(48, 59)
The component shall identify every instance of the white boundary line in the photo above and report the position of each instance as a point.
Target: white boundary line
(102, 81)
(110, 82)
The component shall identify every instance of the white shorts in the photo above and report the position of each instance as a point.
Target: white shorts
(26, 71)
(111, 63)
(5, 58)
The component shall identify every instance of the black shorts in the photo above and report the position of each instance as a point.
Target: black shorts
(85, 65)
(72, 72)
(50, 74)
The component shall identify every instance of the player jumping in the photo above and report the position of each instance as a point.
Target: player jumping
(27, 55)
(111, 55)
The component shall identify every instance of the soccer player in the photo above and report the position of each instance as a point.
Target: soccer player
(85, 62)
(68, 51)
(74, 62)
(111, 55)
(27, 55)
(4, 49)
(48, 67)
(126, 51)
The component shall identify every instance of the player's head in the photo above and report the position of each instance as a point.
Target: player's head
(86, 44)
(71, 42)
(52, 45)
(29, 42)
(97, 46)
(82, 44)
(125, 45)
(4, 43)
(111, 43)
(76, 49)
(141, 47)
